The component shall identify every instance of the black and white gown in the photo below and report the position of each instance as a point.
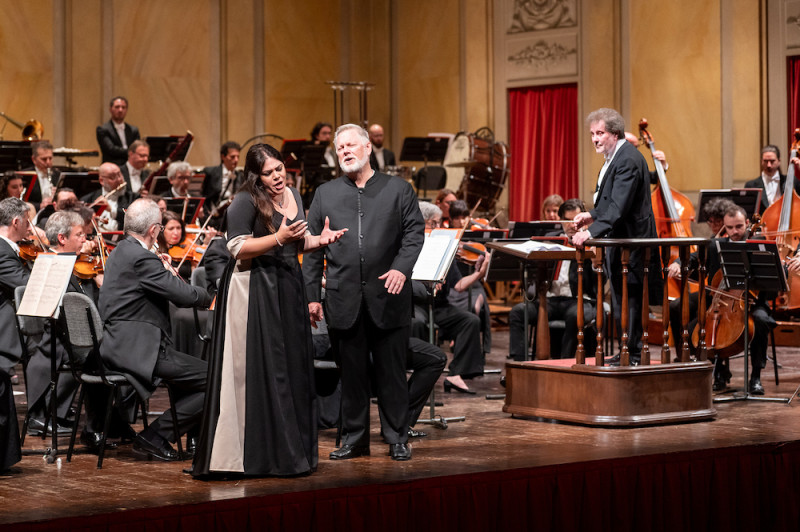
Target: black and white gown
(260, 415)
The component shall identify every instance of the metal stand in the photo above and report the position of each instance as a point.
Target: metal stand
(436, 421)
(338, 100)
(743, 264)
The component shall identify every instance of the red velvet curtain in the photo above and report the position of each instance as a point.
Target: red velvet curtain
(793, 78)
(543, 141)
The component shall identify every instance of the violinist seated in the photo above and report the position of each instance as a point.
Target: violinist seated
(475, 299)
(134, 304)
(65, 231)
(173, 242)
(735, 225)
(443, 200)
(562, 300)
(460, 325)
(65, 199)
(112, 195)
(14, 227)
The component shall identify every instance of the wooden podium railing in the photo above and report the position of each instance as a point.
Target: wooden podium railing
(663, 245)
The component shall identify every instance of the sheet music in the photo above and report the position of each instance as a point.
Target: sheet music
(437, 254)
(532, 245)
(47, 284)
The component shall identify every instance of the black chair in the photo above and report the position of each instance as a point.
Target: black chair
(84, 334)
(430, 178)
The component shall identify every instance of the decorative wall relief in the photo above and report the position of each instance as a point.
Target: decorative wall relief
(537, 15)
(537, 58)
(792, 24)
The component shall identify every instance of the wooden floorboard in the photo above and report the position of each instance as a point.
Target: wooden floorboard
(488, 440)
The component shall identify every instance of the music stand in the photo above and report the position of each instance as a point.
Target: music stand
(755, 264)
(188, 208)
(747, 198)
(484, 235)
(536, 228)
(15, 154)
(159, 185)
(161, 148)
(426, 149)
(82, 183)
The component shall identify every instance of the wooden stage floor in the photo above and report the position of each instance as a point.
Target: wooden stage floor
(488, 441)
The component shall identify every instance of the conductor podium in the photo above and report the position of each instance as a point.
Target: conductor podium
(586, 390)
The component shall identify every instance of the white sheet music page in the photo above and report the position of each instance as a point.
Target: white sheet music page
(437, 254)
(532, 245)
(47, 285)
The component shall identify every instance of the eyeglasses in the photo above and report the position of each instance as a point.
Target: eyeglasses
(433, 223)
(160, 228)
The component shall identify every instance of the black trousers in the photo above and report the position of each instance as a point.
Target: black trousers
(10, 452)
(558, 308)
(186, 376)
(427, 362)
(389, 351)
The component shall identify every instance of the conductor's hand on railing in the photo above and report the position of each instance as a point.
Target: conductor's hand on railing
(580, 237)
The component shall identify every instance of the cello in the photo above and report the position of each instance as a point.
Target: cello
(673, 211)
(782, 221)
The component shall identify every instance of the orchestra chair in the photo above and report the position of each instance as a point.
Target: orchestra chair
(430, 178)
(198, 278)
(84, 335)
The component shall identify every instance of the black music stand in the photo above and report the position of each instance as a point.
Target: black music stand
(82, 183)
(426, 149)
(15, 154)
(159, 185)
(189, 206)
(755, 264)
(161, 148)
(536, 228)
(748, 199)
(28, 180)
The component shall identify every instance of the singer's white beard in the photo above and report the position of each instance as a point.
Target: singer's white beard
(355, 167)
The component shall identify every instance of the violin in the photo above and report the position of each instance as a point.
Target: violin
(87, 266)
(29, 250)
(469, 253)
(187, 250)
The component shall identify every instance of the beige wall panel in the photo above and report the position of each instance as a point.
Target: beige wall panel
(428, 55)
(85, 108)
(747, 92)
(675, 84)
(26, 64)
(165, 73)
(598, 84)
(302, 50)
(237, 70)
(477, 78)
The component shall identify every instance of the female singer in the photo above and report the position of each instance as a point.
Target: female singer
(260, 416)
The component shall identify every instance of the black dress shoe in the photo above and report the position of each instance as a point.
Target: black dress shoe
(92, 441)
(346, 452)
(503, 381)
(634, 360)
(416, 433)
(36, 427)
(191, 446)
(450, 386)
(162, 450)
(755, 386)
(719, 385)
(400, 452)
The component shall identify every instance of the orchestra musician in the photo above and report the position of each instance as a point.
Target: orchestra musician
(321, 134)
(562, 297)
(771, 180)
(380, 157)
(458, 324)
(11, 185)
(622, 209)
(64, 199)
(179, 174)
(263, 343)
(173, 242)
(116, 136)
(134, 170)
(222, 181)
(735, 223)
(134, 304)
(443, 200)
(14, 226)
(368, 301)
(658, 154)
(42, 190)
(550, 206)
(112, 196)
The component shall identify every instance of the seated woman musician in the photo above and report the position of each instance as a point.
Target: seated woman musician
(443, 200)
(550, 206)
(173, 241)
(562, 300)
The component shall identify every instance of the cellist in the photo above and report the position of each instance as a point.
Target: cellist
(735, 225)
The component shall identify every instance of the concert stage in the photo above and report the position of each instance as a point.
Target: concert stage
(740, 471)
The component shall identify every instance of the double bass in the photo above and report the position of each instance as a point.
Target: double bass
(673, 211)
(782, 221)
